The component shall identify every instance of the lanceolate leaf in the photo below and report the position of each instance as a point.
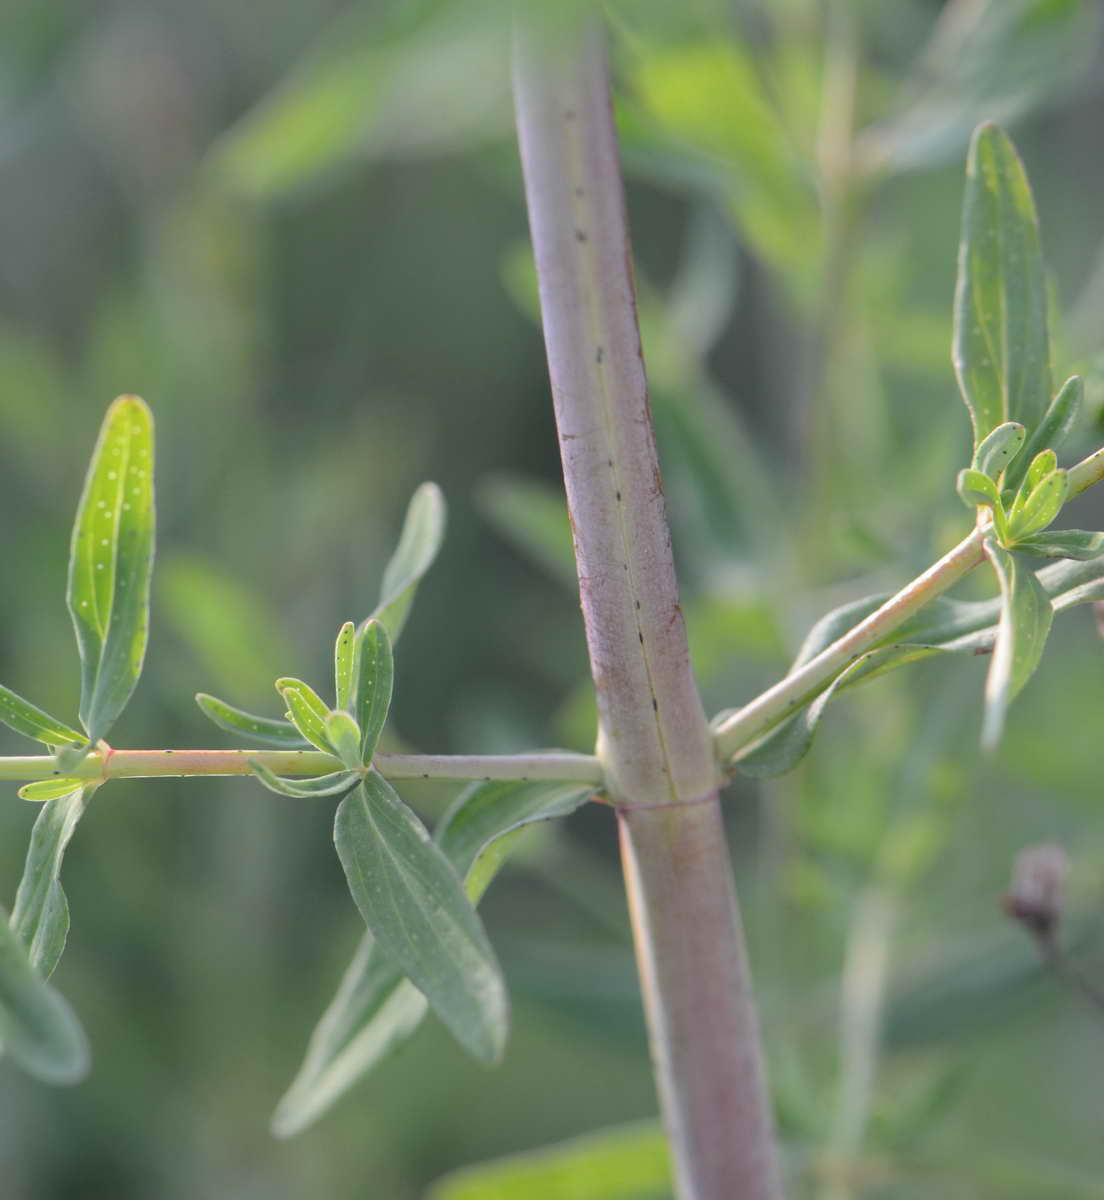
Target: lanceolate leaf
(1053, 429)
(37, 1027)
(322, 785)
(40, 918)
(1001, 345)
(343, 734)
(628, 1163)
(1042, 505)
(1025, 619)
(1063, 543)
(110, 562)
(375, 679)
(412, 900)
(22, 716)
(375, 1007)
(307, 711)
(422, 534)
(280, 734)
(49, 789)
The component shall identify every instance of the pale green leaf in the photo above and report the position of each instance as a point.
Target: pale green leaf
(22, 716)
(40, 917)
(1001, 345)
(48, 789)
(345, 666)
(307, 711)
(375, 1008)
(628, 1163)
(976, 488)
(419, 543)
(999, 448)
(37, 1027)
(1042, 504)
(1025, 618)
(375, 679)
(343, 733)
(412, 900)
(322, 785)
(282, 735)
(110, 564)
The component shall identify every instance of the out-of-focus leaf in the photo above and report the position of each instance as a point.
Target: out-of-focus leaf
(110, 563)
(37, 1027)
(999, 448)
(25, 718)
(345, 666)
(307, 711)
(532, 516)
(412, 900)
(375, 679)
(323, 785)
(40, 917)
(419, 543)
(365, 95)
(279, 734)
(1063, 543)
(987, 60)
(375, 1008)
(1001, 344)
(1025, 619)
(1052, 431)
(709, 98)
(628, 1163)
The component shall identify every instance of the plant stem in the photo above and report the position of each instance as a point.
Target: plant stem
(150, 764)
(749, 723)
(653, 738)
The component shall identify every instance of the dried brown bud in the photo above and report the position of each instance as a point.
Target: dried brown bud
(1037, 893)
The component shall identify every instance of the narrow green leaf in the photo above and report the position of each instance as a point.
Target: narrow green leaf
(345, 666)
(322, 785)
(375, 679)
(37, 1027)
(280, 734)
(307, 711)
(974, 488)
(22, 716)
(40, 918)
(110, 563)
(1063, 543)
(627, 1163)
(48, 789)
(422, 534)
(1025, 618)
(999, 449)
(1045, 462)
(1052, 430)
(412, 900)
(1001, 344)
(375, 1008)
(343, 733)
(1043, 504)
(788, 744)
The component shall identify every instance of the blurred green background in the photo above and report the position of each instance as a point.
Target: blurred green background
(297, 230)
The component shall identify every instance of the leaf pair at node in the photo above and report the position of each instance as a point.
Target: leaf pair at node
(110, 565)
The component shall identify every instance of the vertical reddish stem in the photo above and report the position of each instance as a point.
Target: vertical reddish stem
(653, 740)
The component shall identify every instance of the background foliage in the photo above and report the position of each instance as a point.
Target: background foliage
(302, 239)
